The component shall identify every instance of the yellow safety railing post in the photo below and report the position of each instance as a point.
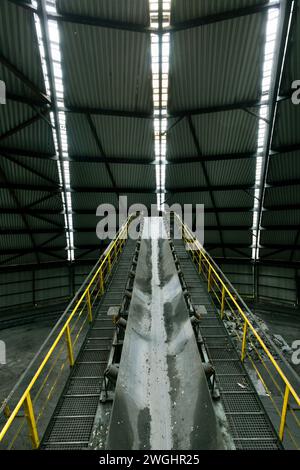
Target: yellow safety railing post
(101, 282)
(70, 346)
(31, 421)
(200, 263)
(209, 278)
(7, 411)
(222, 302)
(88, 298)
(283, 412)
(109, 262)
(243, 353)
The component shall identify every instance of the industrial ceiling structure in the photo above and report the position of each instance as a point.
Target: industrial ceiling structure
(87, 120)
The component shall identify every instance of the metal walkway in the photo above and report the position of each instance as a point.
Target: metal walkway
(72, 422)
(248, 421)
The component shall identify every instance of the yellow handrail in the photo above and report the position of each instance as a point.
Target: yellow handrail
(202, 256)
(26, 398)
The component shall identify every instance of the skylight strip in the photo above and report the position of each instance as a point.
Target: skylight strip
(59, 136)
(160, 49)
(268, 65)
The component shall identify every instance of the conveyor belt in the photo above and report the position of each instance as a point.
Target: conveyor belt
(73, 419)
(162, 399)
(248, 421)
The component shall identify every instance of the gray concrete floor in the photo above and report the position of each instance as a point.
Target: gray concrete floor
(22, 342)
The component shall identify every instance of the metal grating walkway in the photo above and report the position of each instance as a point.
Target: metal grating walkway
(72, 422)
(248, 422)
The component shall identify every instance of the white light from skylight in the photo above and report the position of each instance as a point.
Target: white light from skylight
(269, 53)
(160, 49)
(63, 167)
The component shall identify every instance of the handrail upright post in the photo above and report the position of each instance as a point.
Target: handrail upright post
(222, 302)
(109, 263)
(31, 421)
(200, 262)
(89, 306)
(283, 412)
(209, 278)
(70, 346)
(243, 353)
(101, 282)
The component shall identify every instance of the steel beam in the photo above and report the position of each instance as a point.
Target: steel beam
(214, 109)
(118, 160)
(23, 125)
(206, 176)
(27, 168)
(100, 22)
(107, 112)
(102, 152)
(21, 76)
(27, 100)
(139, 28)
(24, 219)
(222, 16)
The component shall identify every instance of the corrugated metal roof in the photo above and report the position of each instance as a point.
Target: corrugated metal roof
(183, 10)
(125, 137)
(134, 176)
(229, 253)
(19, 174)
(210, 219)
(45, 223)
(92, 200)
(191, 175)
(87, 239)
(237, 236)
(111, 70)
(81, 141)
(211, 236)
(15, 241)
(11, 221)
(284, 166)
(284, 217)
(213, 65)
(233, 198)
(287, 195)
(179, 140)
(285, 237)
(190, 198)
(287, 124)
(29, 258)
(226, 132)
(216, 64)
(231, 172)
(36, 137)
(13, 114)
(28, 197)
(6, 200)
(236, 218)
(146, 199)
(88, 220)
(131, 11)
(18, 43)
(270, 254)
(292, 68)
(90, 174)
